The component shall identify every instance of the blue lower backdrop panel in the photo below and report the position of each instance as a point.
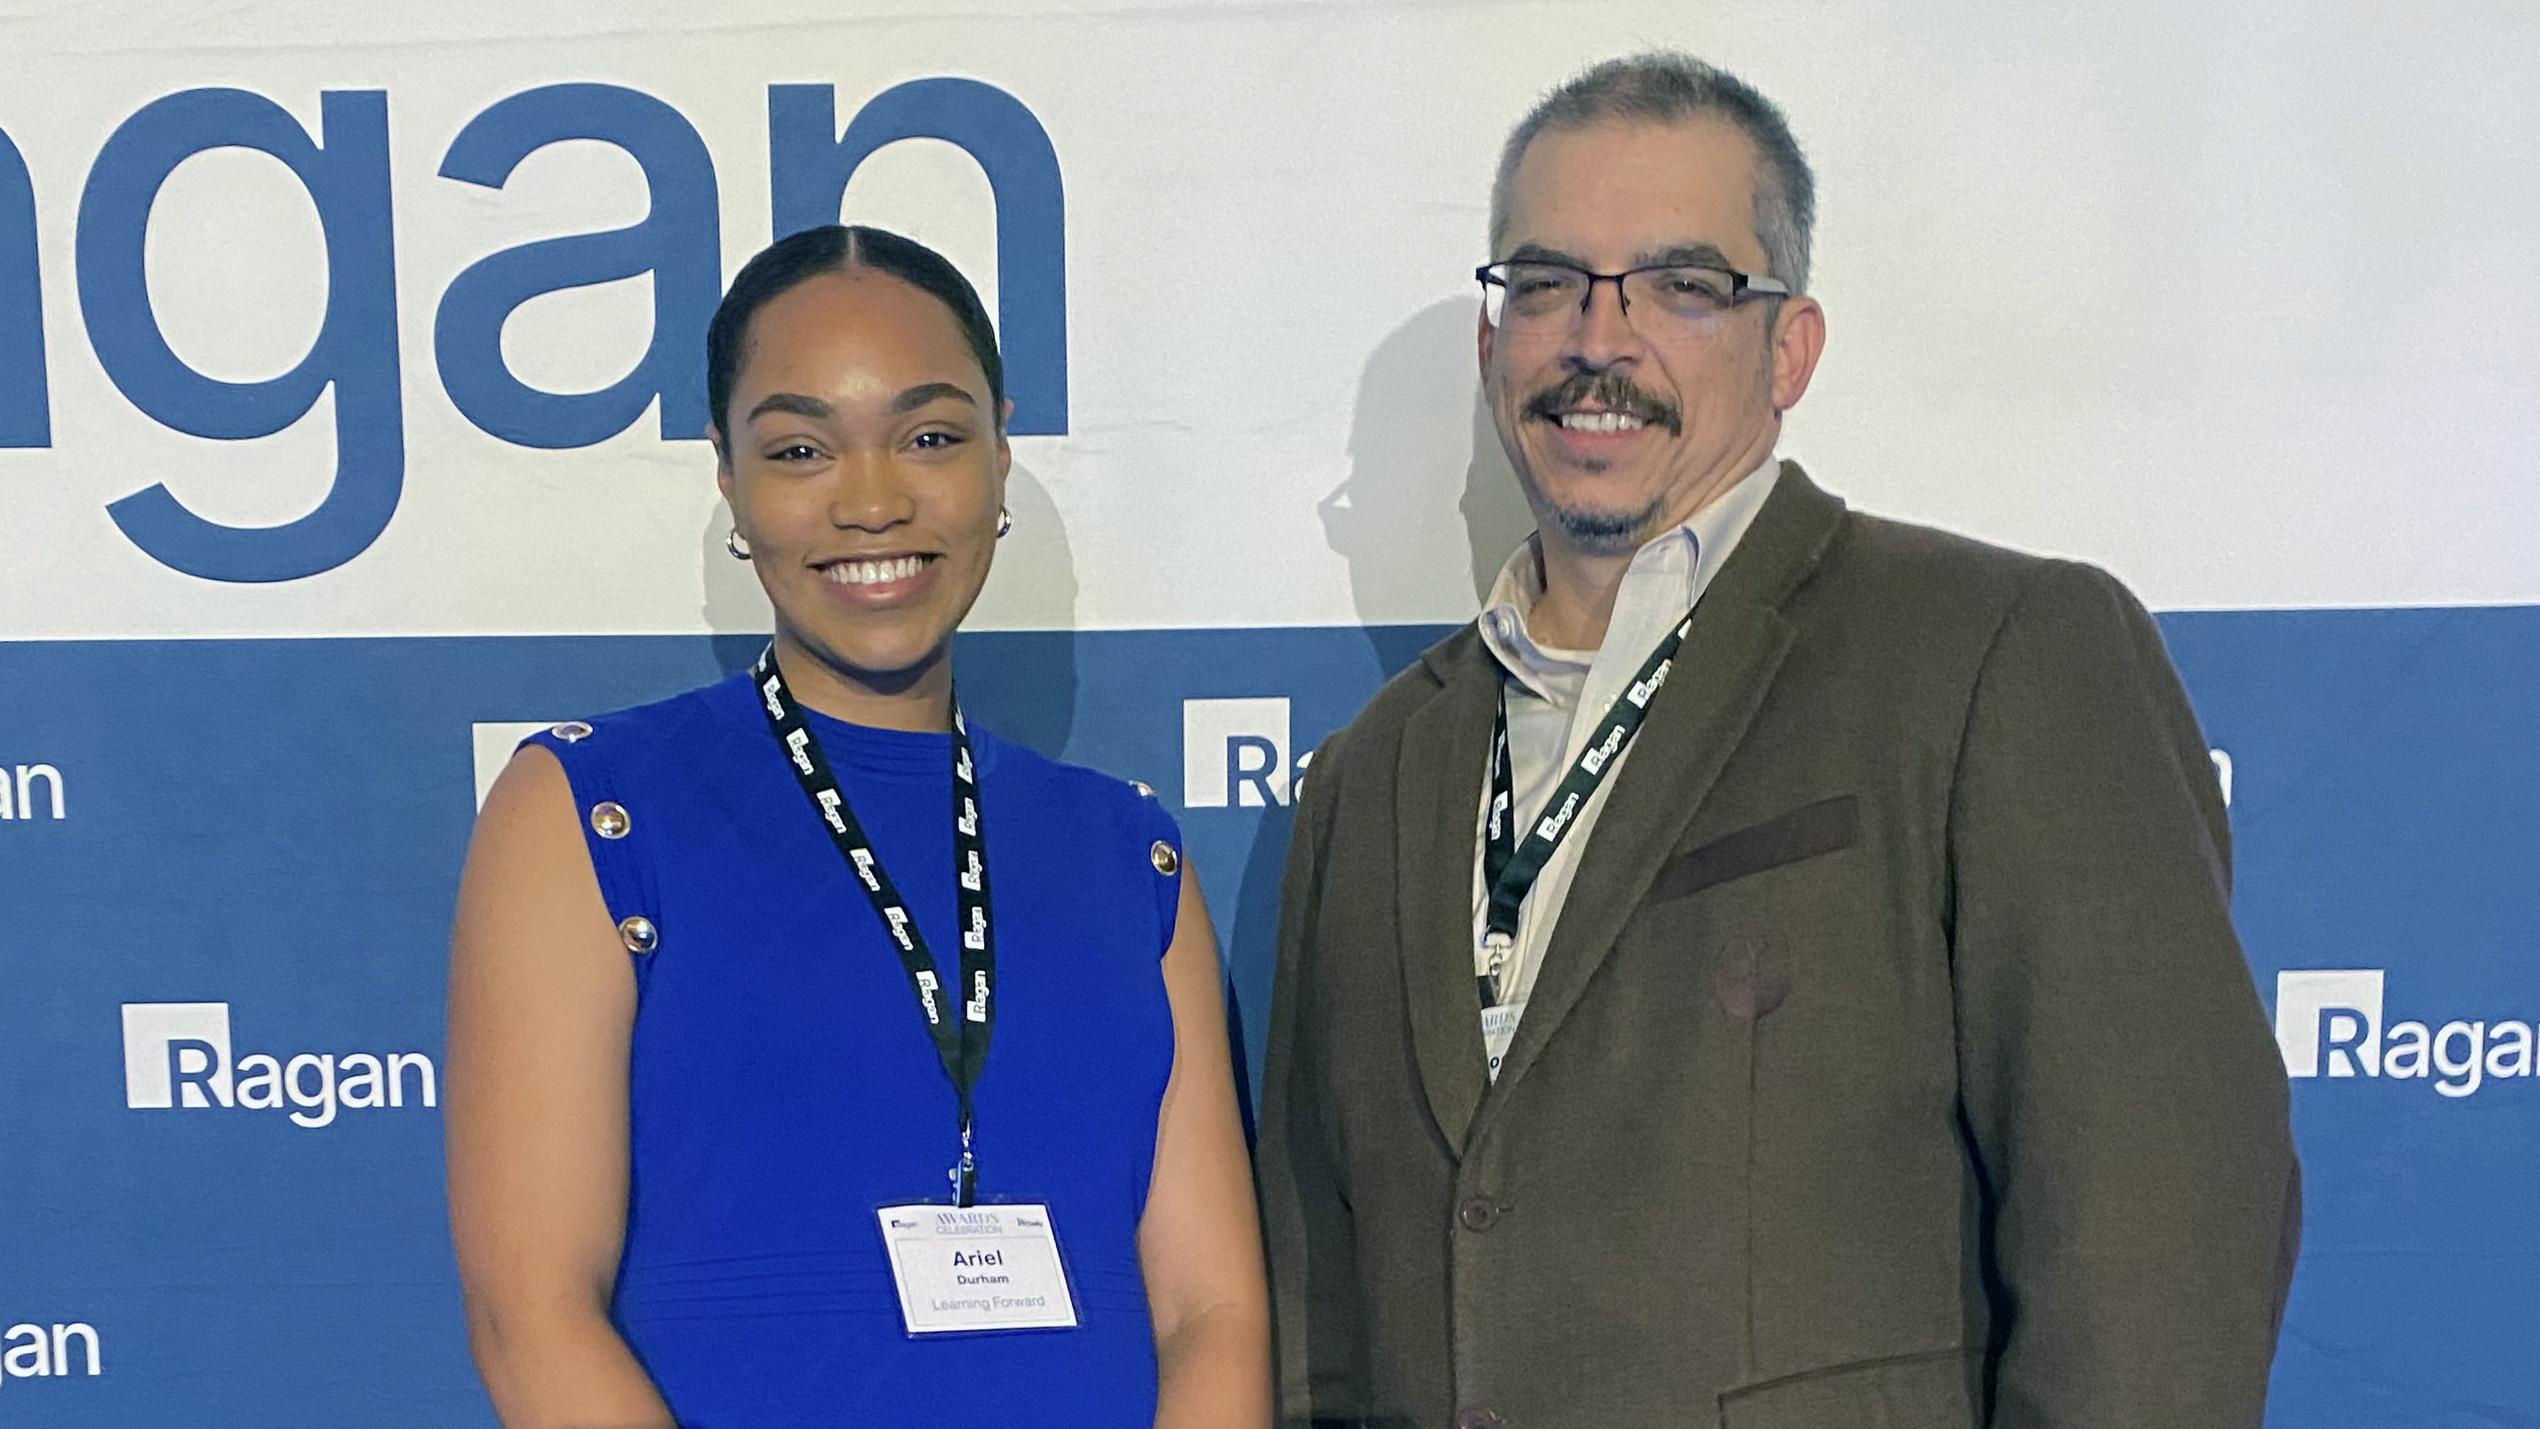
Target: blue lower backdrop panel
(227, 869)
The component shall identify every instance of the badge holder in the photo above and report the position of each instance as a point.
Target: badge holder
(986, 1268)
(1499, 1019)
(1499, 1030)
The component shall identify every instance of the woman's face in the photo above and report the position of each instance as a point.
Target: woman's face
(866, 469)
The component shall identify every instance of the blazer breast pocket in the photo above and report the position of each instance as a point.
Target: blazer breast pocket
(1809, 831)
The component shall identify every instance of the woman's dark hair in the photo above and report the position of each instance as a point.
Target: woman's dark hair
(838, 248)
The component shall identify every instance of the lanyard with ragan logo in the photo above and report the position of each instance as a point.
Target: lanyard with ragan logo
(1509, 866)
(961, 1042)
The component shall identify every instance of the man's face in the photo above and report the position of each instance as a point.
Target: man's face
(1618, 425)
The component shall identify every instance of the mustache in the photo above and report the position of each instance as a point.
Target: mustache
(1610, 390)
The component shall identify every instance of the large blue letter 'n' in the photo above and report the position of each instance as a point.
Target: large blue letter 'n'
(25, 399)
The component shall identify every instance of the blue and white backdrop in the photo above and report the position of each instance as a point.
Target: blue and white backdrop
(350, 415)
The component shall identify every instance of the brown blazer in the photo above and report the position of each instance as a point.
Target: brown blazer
(1893, 1064)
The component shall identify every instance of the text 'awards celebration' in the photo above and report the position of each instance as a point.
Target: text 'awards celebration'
(1319, 714)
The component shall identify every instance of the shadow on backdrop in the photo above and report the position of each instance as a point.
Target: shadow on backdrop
(1020, 671)
(731, 600)
(1428, 514)
(1430, 509)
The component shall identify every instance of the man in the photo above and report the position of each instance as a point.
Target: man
(1821, 1012)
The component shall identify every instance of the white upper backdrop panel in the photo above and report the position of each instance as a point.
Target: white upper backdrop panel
(2231, 302)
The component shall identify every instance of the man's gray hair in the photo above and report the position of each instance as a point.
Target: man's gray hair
(1668, 87)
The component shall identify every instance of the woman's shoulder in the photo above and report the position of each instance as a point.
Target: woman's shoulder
(675, 752)
(1114, 840)
(670, 723)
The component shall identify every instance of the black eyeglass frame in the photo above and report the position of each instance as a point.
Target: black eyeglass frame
(1742, 286)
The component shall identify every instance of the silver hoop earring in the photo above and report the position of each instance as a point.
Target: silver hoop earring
(737, 544)
(1005, 522)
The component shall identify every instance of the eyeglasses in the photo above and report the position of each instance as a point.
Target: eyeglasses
(1537, 293)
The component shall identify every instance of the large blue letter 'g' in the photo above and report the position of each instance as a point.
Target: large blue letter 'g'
(346, 177)
(809, 164)
(678, 243)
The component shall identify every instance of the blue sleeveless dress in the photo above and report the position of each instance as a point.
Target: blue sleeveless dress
(783, 1085)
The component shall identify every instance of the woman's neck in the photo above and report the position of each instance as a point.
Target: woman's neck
(918, 699)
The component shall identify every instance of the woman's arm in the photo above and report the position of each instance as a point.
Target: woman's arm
(1200, 1242)
(542, 1005)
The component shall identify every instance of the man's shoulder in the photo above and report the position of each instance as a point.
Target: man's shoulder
(1886, 551)
(1893, 590)
(1814, 556)
(1905, 574)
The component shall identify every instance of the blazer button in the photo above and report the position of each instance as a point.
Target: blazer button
(1478, 1418)
(1479, 1214)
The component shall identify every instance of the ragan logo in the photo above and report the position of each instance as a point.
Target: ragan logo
(1594, 759)
(2329, 1023)
(1235, 754)
(30, 791)
(177, 1054)
(33, 1351)
(345, 169)
(1551, 827)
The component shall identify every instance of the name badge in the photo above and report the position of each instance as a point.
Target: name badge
(977, 1268)
(1499, 1028)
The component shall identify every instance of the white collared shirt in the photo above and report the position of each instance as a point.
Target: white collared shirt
(1548, 688)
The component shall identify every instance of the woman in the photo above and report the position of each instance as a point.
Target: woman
(727, 971)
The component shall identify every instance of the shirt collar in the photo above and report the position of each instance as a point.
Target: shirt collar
(1667, 574)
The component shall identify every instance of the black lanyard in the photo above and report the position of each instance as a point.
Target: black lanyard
(1510, 867)
(961, 1043)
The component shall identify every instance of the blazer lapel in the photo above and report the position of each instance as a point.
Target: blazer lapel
(1736, 646)
(1439, 783)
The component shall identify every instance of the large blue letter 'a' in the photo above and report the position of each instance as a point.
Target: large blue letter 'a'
(678, 243)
